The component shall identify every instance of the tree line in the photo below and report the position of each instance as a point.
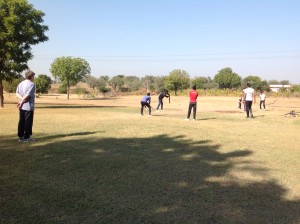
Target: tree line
(69, 71)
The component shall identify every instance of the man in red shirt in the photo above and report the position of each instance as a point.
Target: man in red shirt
(193, 103)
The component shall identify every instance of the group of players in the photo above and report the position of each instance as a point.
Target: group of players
(248, 98)
(146, 101)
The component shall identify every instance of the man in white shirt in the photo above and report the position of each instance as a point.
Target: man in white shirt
(26, 94)
(262, 97)
(249, 97)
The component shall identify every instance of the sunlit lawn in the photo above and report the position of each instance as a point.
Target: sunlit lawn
(99, 161)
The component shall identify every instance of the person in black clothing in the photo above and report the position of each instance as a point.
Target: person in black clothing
(163, 94)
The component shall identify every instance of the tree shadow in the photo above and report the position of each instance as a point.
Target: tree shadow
(158, 179)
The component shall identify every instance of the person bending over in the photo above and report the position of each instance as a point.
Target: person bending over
(146, 100)
(163, 94)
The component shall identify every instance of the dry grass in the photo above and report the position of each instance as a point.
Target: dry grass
(99, 161)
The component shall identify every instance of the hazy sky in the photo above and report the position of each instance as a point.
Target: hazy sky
(153, 37)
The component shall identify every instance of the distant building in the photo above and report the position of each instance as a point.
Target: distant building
(275, 88)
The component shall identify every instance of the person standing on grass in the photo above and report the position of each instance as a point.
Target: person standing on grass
(146, 100)
(163, 94)
(26, 94)
(249, 97)
(262, 98)
(193, 103)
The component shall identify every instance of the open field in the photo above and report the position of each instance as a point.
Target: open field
(100, 161)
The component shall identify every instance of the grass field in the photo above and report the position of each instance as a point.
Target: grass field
(100, 161)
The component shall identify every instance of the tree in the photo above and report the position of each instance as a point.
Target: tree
(227, 79)
(204, 83)
(43, 83)
(133, 83)
(256, 82)
(11, 86)
(20, 27)
(70, 70)
(93, 82)
(285, 82)
(177, 80)
(117, 82)
(274, 82)
(153, 83)
(103, 90)
(199, 82)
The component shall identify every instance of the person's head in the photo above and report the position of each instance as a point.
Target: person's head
(29, 75)
(194, 87)
(148, 94)
(248, 85)
(261, 91)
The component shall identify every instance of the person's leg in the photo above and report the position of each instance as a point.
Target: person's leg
(162, 104)
(159, 102)
(194, 111)
(264, 104)
(142, 108)
(28, 124)
(260, 103)
(189, 111)
(149, 107)
(247, 108)
(250, 108)
(21, 123)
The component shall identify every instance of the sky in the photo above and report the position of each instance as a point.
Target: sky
(154, 37)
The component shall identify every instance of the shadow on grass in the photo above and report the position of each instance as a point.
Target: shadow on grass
(158, 179)
(208, 118)
(64, 106)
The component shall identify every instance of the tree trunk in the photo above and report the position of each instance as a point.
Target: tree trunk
(1, 95)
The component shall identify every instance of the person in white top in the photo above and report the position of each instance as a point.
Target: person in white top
(26, 94)
(249, 97)
(262, 97)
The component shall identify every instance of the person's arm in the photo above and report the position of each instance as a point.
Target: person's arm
(23, 100)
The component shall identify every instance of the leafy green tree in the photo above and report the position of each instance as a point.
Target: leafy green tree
(70, 70)
(43, 83)
(199, 82)
(20, 27)
(133, 83)
(103, 90)
(11, 86)
(93, 82)
(227, 79)
(285, 82)
(117, 82)
(256, 82)
(177, 80)
(274, 82)
(204, 83)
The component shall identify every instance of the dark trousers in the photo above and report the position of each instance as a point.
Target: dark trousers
(194, 106)
(248, 108)
(160, 103)
(25, 124)
(143, 104)
(262, 102)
